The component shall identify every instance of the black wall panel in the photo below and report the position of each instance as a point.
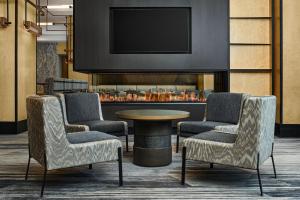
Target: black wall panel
(210, 38)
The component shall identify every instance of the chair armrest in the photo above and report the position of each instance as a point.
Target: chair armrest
(209, 151)
(71, 128)
(178, 128)
(125, 127)
(83, 154)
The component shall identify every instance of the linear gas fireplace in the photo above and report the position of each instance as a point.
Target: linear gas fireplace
(150, 93)
(154, 88)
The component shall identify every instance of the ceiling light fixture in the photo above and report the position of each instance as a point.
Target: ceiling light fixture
(46, 23)
(59, 7)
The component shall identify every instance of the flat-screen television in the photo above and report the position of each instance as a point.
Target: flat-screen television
(139, 30)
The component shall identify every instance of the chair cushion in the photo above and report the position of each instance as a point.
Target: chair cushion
(105, 126)
(200, 126)
(88, 136)
(82, 107)
(224, 107)
(216, 137)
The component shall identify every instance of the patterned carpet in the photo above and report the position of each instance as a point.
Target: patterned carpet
(101, 182)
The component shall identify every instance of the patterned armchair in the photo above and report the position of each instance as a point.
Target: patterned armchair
(223, 112)
(249, 148)
(50, 146)
(82, 112)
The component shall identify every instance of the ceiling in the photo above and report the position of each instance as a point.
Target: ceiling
(57, 16)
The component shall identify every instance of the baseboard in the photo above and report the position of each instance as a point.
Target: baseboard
(22, 126)
(287, 130)
(13, 127)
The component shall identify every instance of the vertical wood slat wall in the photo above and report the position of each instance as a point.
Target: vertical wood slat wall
(290, 63)
(7, 65)
(17, 67)
(26, 59)
(251, 46)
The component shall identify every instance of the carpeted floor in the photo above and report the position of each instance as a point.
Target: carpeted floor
(101, 182)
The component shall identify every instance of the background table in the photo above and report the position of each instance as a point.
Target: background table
(152, 135)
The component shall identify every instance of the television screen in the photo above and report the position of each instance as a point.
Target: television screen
(155, 30)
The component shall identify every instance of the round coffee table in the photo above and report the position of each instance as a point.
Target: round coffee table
(152, 135)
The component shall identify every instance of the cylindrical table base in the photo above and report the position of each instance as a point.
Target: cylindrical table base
(152, 143)
(152, 157)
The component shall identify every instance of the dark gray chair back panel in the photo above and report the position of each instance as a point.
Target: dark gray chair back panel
(82, 107)
(224, 107)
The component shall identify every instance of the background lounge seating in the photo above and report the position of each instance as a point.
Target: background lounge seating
(54, 85)
(82, 112)
(223, 112)
(50, 146)
(249, 148)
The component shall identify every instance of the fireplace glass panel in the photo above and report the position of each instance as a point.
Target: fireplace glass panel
(153, 87)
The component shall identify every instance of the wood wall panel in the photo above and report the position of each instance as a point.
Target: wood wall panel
(291, 62)
(250, 8)
(250, 31)
(250, 57)
(26, 60)
(60, 48)
(277, 75)
(259, 84)
(251, 24)
(76, 75)
(7, 65)
(208, 83)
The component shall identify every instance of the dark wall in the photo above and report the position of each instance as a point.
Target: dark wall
(210, 38)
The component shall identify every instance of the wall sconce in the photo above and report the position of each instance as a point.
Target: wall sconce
(4, 21)
(33, 27)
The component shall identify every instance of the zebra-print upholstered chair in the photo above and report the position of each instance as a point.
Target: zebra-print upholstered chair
(83, 112)
(51, 147)
(249, 148)
(223, 113)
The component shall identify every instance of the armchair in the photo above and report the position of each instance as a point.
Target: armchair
(249, 148)
(51, 147)
(82, 112)
(223, 112)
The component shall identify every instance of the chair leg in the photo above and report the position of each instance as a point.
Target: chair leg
(27, 170)
(183, 166)
(120, 166)
(177, 144)
(272, 157)
(44, 182)
(90, 166)
(127, 143)
(258, 175)
(211, 165)
(28, 164)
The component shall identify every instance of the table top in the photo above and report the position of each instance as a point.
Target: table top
(152, 114)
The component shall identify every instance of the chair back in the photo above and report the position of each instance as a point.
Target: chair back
(224, 107)
(46, 132)
(256, 129)
(82, 107)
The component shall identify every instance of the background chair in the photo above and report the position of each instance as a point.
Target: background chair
(82, 112)
(50, 146)
(249, 148)
(223, 112)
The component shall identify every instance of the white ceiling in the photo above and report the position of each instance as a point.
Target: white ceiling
(55, 33)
